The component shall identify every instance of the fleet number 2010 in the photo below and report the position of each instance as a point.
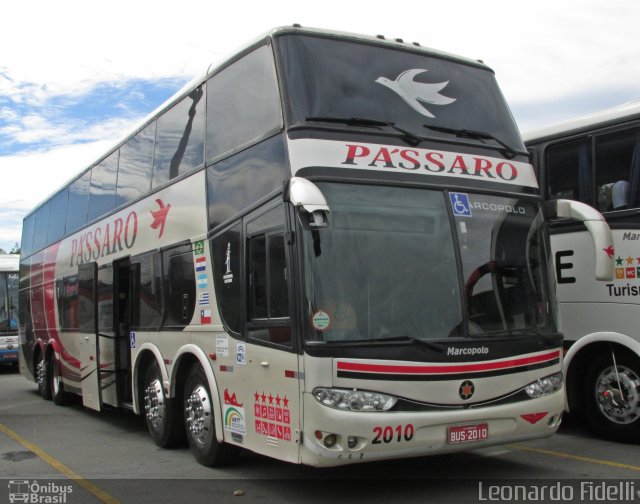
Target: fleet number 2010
(388, 433)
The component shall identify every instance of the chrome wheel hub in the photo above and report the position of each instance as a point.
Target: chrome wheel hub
(154, 404)
(198, 415)
(618, 394)
(41, 373)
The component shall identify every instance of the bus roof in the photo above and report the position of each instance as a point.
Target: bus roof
(615, 115)
(9, 262)
(227, 60)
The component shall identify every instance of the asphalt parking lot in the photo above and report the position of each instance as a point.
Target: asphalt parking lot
(76, 455)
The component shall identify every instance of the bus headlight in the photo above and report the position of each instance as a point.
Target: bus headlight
(544, 386)
(354, 400)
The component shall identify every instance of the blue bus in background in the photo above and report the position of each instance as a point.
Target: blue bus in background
(9, 265)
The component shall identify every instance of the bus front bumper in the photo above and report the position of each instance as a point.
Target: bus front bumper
(334, 437)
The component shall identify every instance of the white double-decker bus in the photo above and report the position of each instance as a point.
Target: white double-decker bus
(596, 160)
(328, 249)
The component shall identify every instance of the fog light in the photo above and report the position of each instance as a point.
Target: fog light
(318, 434)
(352, 441)
(330, 440)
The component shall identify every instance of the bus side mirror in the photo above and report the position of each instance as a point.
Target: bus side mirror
(306, 196)
(596, 226)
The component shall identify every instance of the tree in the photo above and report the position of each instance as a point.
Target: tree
(15, 249)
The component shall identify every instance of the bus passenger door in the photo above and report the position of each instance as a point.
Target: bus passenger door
(89, 341)
(121, 324)
(268, 356)
(259, 385)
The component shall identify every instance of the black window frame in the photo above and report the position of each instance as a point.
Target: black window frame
(65, 301)
(188, 310)
(230, 294)
(193, 132)
(212, 154)
(261, 330)
(588, 187)
(135, 291)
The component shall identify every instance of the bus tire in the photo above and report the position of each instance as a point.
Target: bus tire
(160, 413)
(200, 423)
(42, 377)
(612, 399)
(56, 385)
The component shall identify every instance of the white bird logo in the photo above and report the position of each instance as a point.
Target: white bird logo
(416, 92)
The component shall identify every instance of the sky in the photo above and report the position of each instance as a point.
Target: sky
(78, 75)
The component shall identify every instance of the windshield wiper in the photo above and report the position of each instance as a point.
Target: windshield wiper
(547, 337)
(411, 138)
(509, 152)
(429, 344)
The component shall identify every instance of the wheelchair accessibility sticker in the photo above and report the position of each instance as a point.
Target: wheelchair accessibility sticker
(460, 204)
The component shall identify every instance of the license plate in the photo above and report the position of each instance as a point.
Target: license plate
(467, 433)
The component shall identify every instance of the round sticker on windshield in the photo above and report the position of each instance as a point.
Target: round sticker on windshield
(321, 320)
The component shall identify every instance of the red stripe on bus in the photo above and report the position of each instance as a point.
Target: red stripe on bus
(483, 366)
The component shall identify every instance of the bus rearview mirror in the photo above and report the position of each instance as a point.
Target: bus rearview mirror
(306, 196)
(596, 226)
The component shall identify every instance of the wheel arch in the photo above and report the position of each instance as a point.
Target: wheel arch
(583, 351)
(186, 356)
(147, 354)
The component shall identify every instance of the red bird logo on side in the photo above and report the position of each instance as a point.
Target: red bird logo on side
(160, 216)
(609, 251)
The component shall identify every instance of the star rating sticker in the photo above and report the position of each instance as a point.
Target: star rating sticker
(270, 399)
(630, 260)
(257, 396)
(278, 400)
(618, 261)
(286, 402)
(264, 398)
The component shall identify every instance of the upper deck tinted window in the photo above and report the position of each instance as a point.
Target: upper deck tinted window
(42, 226)
(243, 104)
(134, 170)
(324, 77)
(103, 186)
(78, 202)
(57, 218)
(180, 139)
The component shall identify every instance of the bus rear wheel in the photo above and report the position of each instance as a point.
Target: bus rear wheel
(200, 423)
(612, 396)
(42, 377)
(162, 419)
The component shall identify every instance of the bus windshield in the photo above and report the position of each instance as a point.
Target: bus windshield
(386, 267)
(326, 79)
(504, 260)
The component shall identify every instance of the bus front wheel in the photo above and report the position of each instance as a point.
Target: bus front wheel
(200, 424)
(612, 396)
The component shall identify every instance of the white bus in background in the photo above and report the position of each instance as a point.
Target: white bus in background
(328, 249)
(9, 264)
(596, 160)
